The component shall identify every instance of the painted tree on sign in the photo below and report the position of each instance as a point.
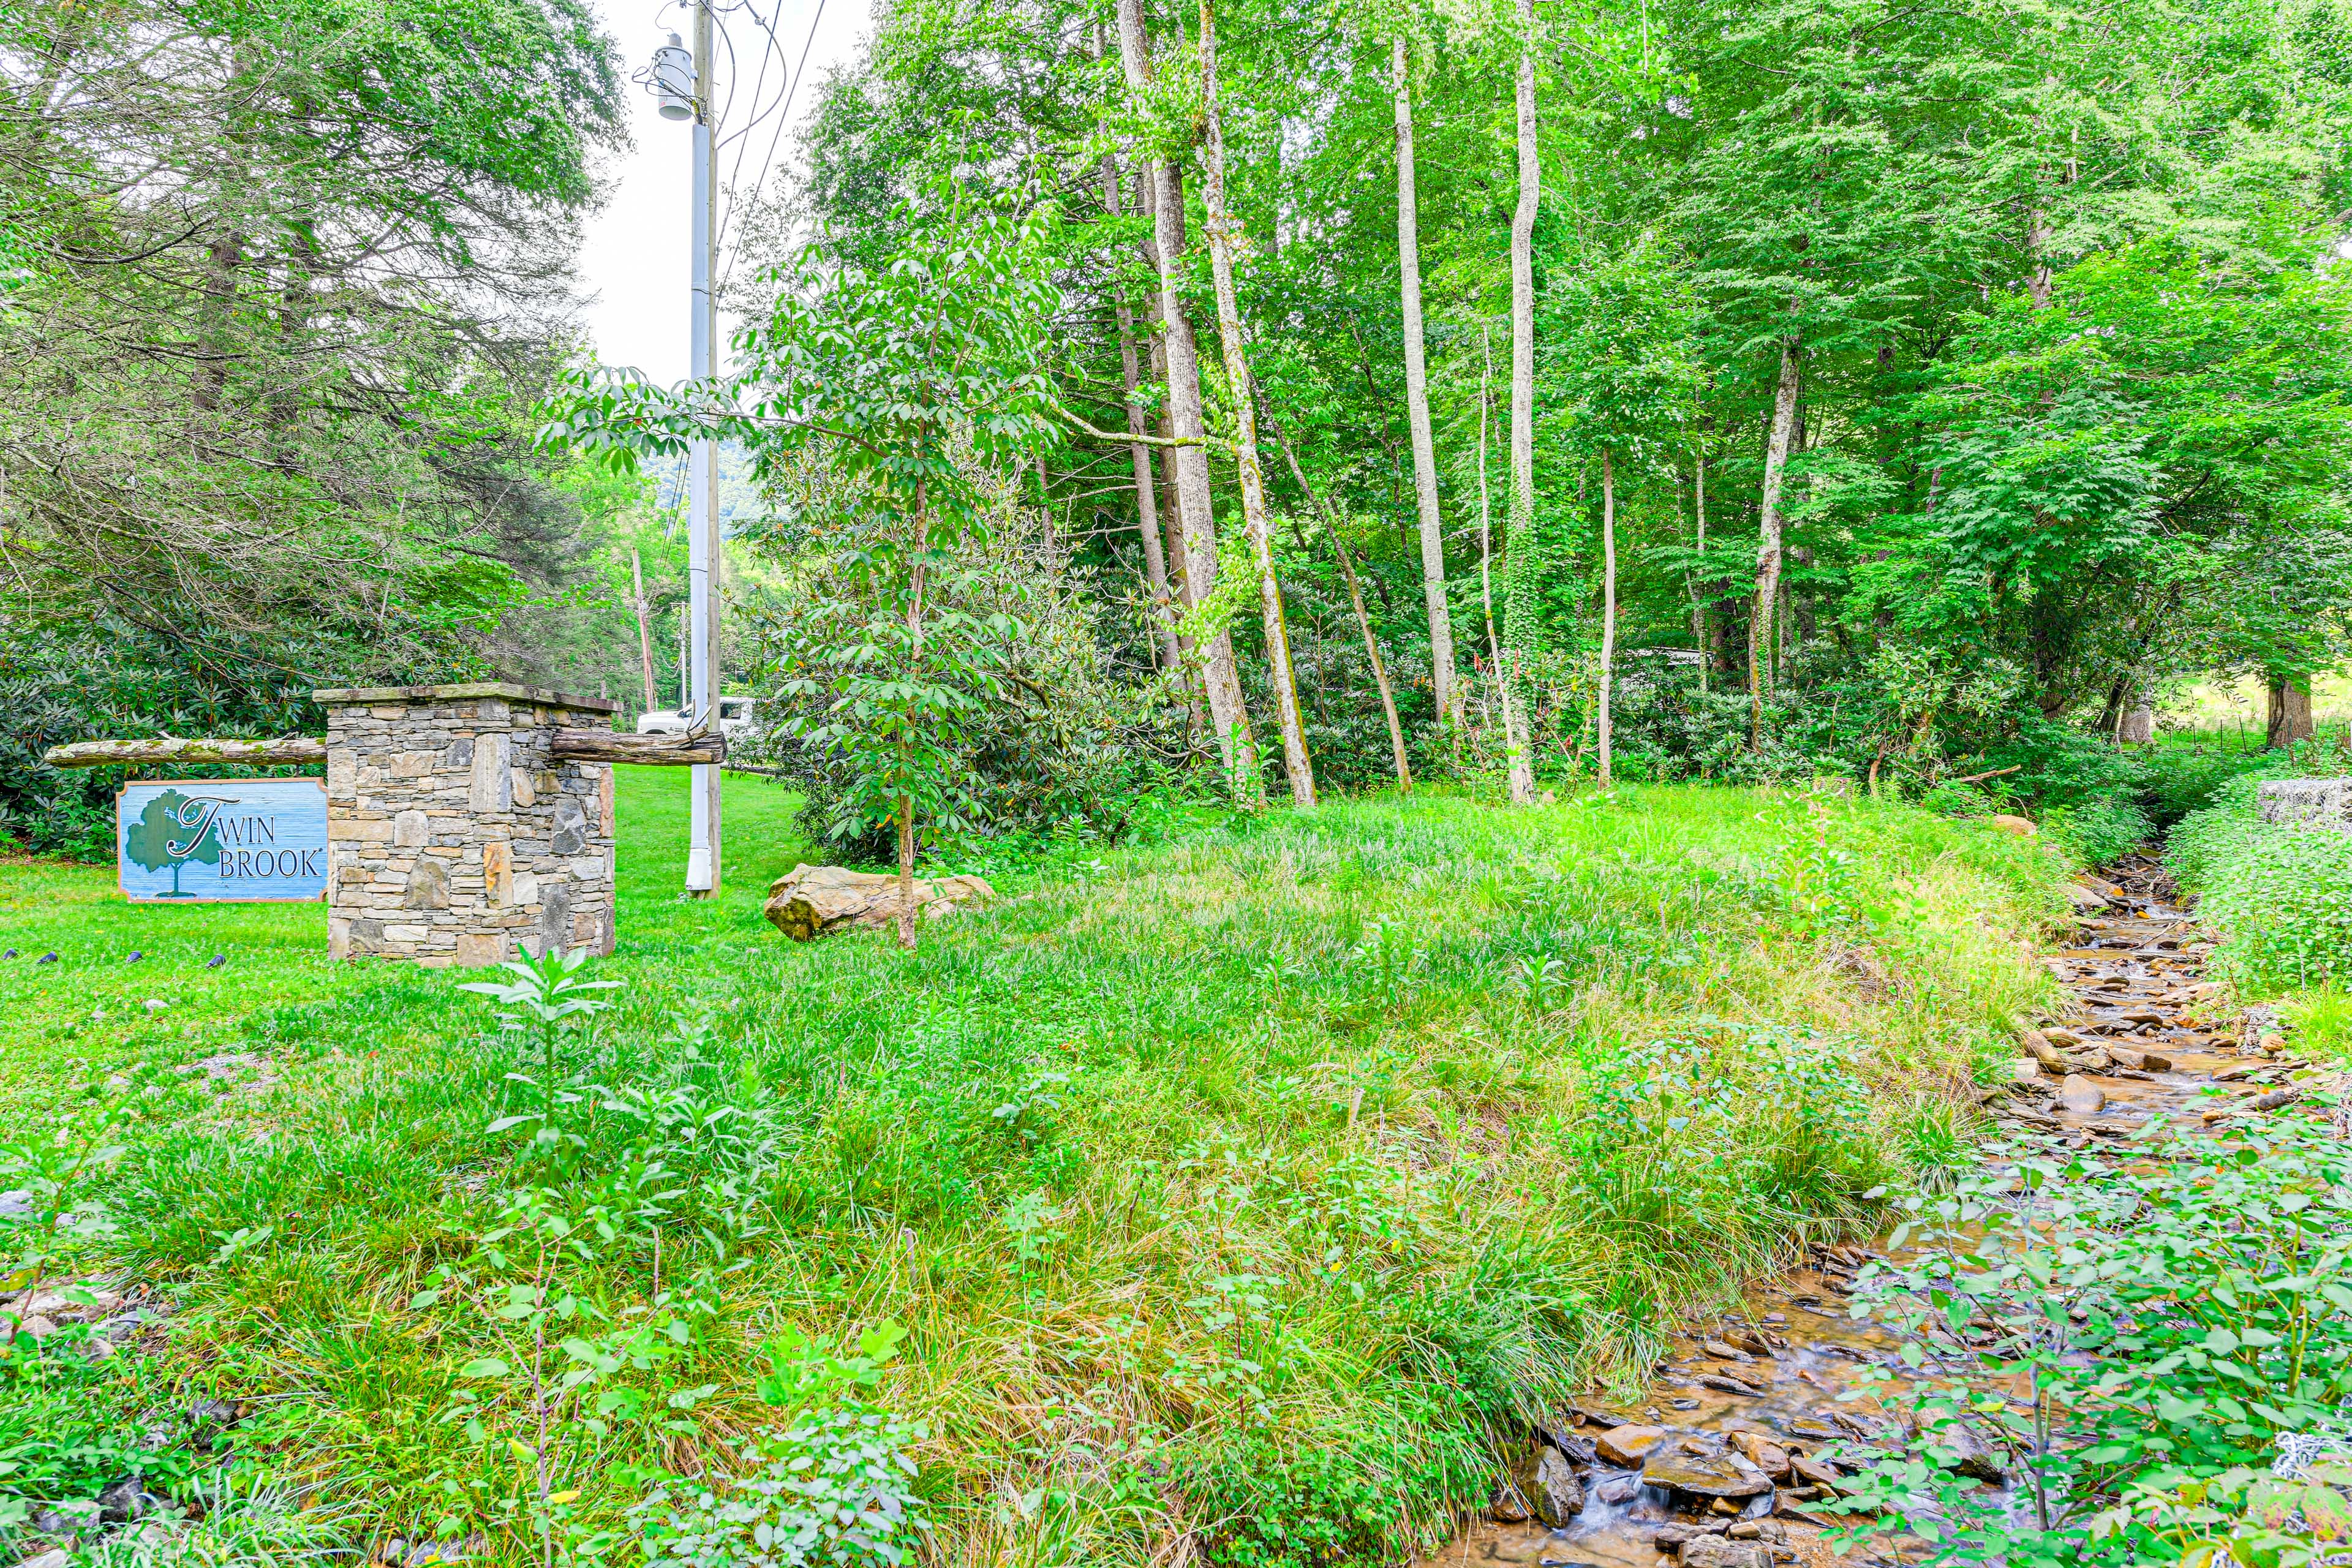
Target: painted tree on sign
(173, 830)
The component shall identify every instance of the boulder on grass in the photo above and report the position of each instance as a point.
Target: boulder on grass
(810, 902)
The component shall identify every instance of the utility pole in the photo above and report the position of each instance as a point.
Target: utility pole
(702, 860)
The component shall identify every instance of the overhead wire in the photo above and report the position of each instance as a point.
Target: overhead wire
(784, 120)
(736, 206)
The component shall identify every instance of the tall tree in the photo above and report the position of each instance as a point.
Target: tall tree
(1416, 397)
(1163, 610)
(1763, 640)
(1224, 233)
(1228, 713)
(1520, 536)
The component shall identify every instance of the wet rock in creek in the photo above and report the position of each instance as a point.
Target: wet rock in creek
(1723, 1384)
(1559, 1496)
(2080, 1097)
(1628, 1445)
(2044, 1050)
(1715, 1552)
(1721, 1476)
(1969, 1455)
(1764, 1454)
(1814, 1472)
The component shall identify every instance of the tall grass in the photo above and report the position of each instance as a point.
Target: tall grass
(1250, 1182)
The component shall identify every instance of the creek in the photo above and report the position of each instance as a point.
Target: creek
(1714, 1467)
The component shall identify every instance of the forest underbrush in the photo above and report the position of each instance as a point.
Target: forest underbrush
(1252, 1183)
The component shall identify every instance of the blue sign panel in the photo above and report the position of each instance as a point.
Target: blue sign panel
(223, 840)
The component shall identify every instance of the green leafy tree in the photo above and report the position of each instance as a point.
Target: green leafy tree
(1624, 380)
(908, 379)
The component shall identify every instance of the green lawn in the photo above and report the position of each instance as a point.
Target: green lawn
(85, 1016)
(1253, 1178)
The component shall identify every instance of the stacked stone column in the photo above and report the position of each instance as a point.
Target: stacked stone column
(454, 836)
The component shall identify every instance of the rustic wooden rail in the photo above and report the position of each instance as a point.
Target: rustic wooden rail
(645, 751)
(289, 749)
(575, 745)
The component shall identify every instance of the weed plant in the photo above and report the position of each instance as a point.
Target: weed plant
(2280, 897)
(1254, 1183)
(2126, 1342)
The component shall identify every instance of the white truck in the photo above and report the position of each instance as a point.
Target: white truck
(736, 714)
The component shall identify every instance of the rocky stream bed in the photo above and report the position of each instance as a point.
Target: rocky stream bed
(1743, 1428)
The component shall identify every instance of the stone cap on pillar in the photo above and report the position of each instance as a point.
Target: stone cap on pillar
(463, 690)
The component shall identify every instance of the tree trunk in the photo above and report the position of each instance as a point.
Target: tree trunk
(1520, 535)
(1761, 640)
(2037, 251)
(1800, 604)
(1363, 617)
(1228, 715)
(1698, 595)
(644, 627)
(1416, 400)
(1607, 611)
(1162, 614)
(1221, 225)
(1171, 512)
(2290, 715)
(906, 801)
(1514, 732)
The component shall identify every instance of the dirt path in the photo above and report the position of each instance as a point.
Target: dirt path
(1711, 1469)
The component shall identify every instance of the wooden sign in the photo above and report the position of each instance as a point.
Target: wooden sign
(222, 841)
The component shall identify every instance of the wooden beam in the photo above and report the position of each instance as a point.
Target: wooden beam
(169, 751)
(645, 751)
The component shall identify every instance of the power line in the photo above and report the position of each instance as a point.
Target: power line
(783, 121)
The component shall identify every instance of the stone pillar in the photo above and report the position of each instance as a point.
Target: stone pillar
(453, 837)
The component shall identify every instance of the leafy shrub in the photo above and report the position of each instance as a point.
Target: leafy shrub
(1958, 800)
(2171, 1318)
(1368, 1492)
(2098, 829)
(1063, 738)
(2178, 776)
(834, 1487)
(2281, 897)
(111, 680)
(70, 1425)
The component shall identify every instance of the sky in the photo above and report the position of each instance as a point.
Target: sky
(633, 260)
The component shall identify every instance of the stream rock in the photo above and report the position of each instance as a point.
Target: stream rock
(1723, 1384)
(1715, 1552)
(1628, 1446)
(1969, 1455)
(1719, 1475)
(1559, 1496)
(2078, 1095)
